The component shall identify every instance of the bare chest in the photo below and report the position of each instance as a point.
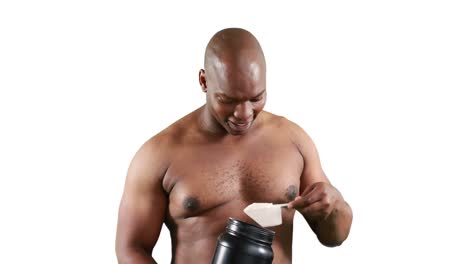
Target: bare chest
(202, 179)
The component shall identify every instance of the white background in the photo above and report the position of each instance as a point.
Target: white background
(379, 86)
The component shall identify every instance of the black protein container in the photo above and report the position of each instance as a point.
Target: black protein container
(243, 243)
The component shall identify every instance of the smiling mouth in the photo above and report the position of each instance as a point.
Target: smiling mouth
(239, 126)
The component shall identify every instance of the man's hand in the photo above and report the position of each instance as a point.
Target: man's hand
(327, 213)
(318, 201)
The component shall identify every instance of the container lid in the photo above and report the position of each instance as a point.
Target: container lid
(250, 231)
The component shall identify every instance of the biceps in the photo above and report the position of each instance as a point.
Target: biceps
(312, 171)
(141, 216)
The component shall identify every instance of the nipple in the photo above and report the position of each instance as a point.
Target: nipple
(191, 204)
(291, 192)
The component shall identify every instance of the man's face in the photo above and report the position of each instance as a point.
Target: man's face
(236, 96)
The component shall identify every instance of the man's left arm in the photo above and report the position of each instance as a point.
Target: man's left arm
(321, 204)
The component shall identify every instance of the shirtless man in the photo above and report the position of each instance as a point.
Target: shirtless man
(212, 163)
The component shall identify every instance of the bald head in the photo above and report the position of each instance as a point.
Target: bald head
(234, 80)
(233, 49)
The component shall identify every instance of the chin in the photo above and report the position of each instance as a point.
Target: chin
(238, 133)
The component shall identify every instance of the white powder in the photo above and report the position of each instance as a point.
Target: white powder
(265, 214)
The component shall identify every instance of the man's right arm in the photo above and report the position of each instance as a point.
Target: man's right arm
(143, 206)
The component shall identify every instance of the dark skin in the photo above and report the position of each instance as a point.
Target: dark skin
(212, 163)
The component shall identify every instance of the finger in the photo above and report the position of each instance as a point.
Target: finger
(298, 203)
(315, 195)
(322, 209)
(301, 201)
(308, 189)
(313, 210)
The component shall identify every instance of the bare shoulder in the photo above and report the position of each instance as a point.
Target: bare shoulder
(164, 141)
(312, 171)
(153, 158)
(149, 163)
(292, 130)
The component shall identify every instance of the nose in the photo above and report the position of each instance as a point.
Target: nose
(243, 111)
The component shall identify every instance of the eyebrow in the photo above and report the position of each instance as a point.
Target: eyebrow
(260, 93)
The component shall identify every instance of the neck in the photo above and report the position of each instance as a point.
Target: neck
(209, 124)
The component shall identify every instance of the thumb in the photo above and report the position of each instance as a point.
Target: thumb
(293, 203)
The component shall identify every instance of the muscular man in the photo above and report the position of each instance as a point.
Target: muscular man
(212, 163)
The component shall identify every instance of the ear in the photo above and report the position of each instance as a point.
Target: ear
(202, 80)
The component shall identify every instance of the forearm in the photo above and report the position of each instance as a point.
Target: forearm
(333, 230)
(135, 256)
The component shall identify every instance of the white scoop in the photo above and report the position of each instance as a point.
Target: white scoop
(265, 214)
